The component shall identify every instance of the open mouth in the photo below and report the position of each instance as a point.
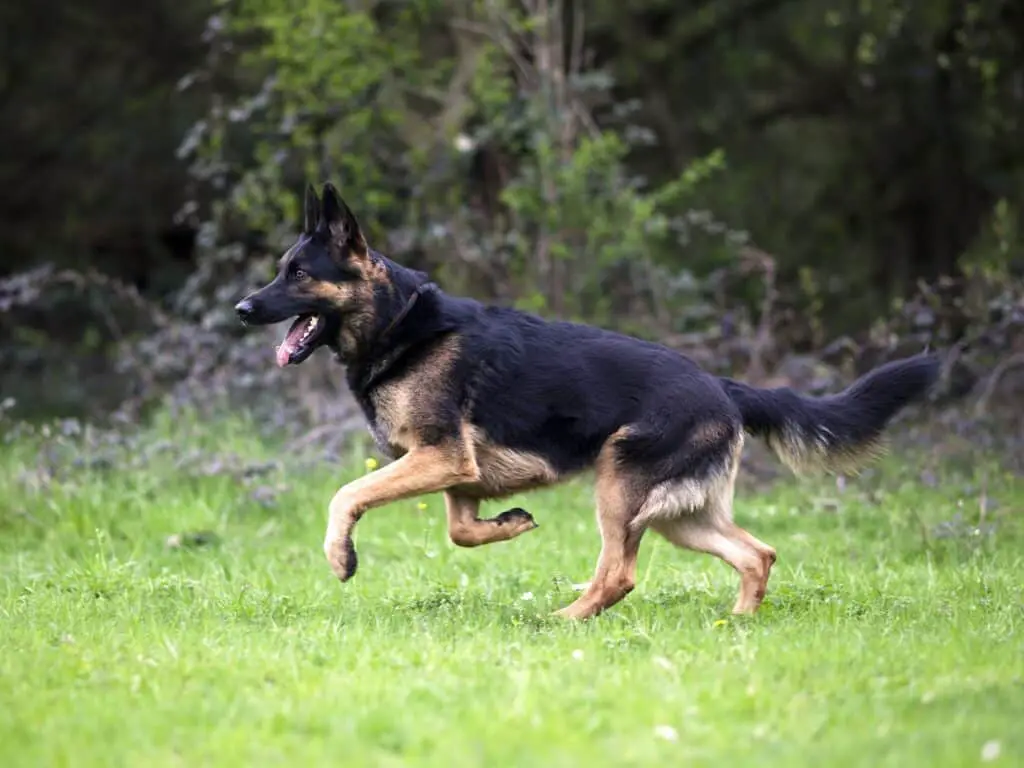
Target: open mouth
(303, 337)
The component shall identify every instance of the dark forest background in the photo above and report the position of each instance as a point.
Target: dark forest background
(790, 190)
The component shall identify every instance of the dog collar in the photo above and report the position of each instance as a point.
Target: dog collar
(419, 291)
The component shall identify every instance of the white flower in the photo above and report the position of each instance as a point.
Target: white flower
(526, 596)
(990, 751)
(666, 732)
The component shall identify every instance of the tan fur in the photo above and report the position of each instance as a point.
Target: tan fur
(802, 454)
(353, 249)
(617, 505)
(688, 495)
(711, 529)
(690, 513)
(355, 298)
(431, 376)
(374, 271)
(422, 470)
(394, 403)
(504, 471)
(354, 293)
(466, 529)
(404, 405)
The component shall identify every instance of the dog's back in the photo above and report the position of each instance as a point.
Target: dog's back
(562, 389)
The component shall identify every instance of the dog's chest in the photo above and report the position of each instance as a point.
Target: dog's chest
(380, 432)
(387, 419)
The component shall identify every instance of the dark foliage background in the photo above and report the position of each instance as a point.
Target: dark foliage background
(789, 190)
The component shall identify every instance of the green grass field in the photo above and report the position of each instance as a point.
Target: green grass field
(890, 635)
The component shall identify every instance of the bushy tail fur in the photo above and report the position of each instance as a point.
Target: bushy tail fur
(838, 433)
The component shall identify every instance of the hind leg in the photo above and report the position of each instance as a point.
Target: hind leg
(615, 574)
(752, 559)
(706, 525)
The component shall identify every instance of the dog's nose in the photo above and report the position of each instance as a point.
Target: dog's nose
(244, 309)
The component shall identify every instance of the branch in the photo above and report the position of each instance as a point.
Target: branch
(1013, 361)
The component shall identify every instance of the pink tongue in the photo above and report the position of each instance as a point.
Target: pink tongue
(283, 353)
(292, 340)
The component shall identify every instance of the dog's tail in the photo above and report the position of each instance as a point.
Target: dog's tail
(838, 433)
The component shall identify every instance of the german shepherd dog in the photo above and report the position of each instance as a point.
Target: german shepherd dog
(480, 402)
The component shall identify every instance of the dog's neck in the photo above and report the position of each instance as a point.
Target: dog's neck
(418, 291)
(406, 316)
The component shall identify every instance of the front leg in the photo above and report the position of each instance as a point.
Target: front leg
(423, 470)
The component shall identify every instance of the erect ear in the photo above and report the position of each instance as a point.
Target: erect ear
(341, 222)
(312, 211)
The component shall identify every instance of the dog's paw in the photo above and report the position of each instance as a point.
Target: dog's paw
(518, 519)
(577, 611)
(341, 554)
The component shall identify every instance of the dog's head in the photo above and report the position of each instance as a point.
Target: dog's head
(326, 280)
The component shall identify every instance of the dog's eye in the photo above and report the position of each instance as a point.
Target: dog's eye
(299, 274)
